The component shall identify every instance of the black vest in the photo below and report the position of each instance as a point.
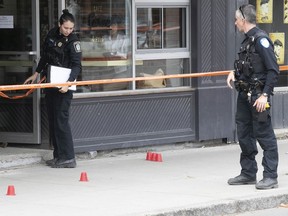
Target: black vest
(250, 66)
(55, 48)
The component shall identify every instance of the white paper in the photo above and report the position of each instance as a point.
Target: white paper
(60, 75)
(6, 22)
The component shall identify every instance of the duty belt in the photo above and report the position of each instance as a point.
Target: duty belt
(255, 87)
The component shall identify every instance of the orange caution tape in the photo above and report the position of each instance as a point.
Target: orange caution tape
(21, 96)
(32, 87)
(105, 81)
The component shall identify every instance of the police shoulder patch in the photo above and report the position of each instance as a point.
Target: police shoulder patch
(264, 42)
(77, 46)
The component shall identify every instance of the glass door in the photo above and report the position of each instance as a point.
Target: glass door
(19, 51)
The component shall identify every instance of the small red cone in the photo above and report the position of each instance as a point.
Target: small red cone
(158, 158)
(154, 156)
(83, 177)
(149, 156)
(11, 191)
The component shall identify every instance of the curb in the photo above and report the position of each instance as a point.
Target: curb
(229, 207)
(13, 161)
(22, 158)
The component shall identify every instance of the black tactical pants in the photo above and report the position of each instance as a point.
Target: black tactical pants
(250, 130)
(58, 105)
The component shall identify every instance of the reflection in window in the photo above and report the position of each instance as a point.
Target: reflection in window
(159, 28)
(162, 67)
(17, 36)
(104, 29)
(174, 28)
(149, 29)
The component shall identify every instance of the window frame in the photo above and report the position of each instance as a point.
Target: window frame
(163, 50)
(154, 54)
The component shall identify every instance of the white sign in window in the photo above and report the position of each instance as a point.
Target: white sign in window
(6, 22)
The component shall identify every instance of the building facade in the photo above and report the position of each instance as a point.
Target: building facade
(123, 39)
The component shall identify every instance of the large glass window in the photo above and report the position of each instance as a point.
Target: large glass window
(162, 45)
(160, 67)
(16, 64)
(105, 30)
(20, 119)
(159, 28)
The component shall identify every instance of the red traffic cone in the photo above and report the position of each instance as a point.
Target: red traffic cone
(158, 158)
(153, 157)
(83, 177)
(11, 191)
(149, 156)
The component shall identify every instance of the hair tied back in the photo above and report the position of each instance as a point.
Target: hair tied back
(65, 11)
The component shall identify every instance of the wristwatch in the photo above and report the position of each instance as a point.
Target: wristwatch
(265, 94)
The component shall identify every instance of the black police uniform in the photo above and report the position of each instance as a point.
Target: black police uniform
(62, 51)
(260, 72)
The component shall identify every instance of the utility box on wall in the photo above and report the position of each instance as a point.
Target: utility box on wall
(216, 120)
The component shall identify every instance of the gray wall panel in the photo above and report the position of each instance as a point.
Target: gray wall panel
(215, 102)
(285, 110)
(277, 110)
(130, 121)
(217, 117)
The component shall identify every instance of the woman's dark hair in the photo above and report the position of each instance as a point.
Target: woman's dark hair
(66, 16)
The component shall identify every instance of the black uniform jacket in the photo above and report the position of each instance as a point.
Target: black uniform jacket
(266, 53)
(61, 51)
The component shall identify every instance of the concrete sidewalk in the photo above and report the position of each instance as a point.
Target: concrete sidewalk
(187, 182)
(15, 157)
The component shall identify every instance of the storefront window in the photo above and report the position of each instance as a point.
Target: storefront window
(162, 67)
(14, 34)
(162, 45)
(159, 28)
(104, 30)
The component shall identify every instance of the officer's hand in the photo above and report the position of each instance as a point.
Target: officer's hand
(31, 79)
(260, 103)
(230, 78)
(63, 89)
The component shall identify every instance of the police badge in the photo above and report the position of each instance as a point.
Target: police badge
(77, 46)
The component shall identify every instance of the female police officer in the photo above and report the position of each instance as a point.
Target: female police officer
(256, 74)
(61, 48)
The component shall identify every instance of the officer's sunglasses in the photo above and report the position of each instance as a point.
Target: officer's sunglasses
(241, 10)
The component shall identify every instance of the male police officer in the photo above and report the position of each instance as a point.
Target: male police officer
(256, 73)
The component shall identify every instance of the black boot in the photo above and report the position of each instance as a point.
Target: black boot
(241, 180)
(61, 163)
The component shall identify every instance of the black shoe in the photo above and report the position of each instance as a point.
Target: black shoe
(241, 180)
(51, 162)
(267, 183)
(65, 163)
